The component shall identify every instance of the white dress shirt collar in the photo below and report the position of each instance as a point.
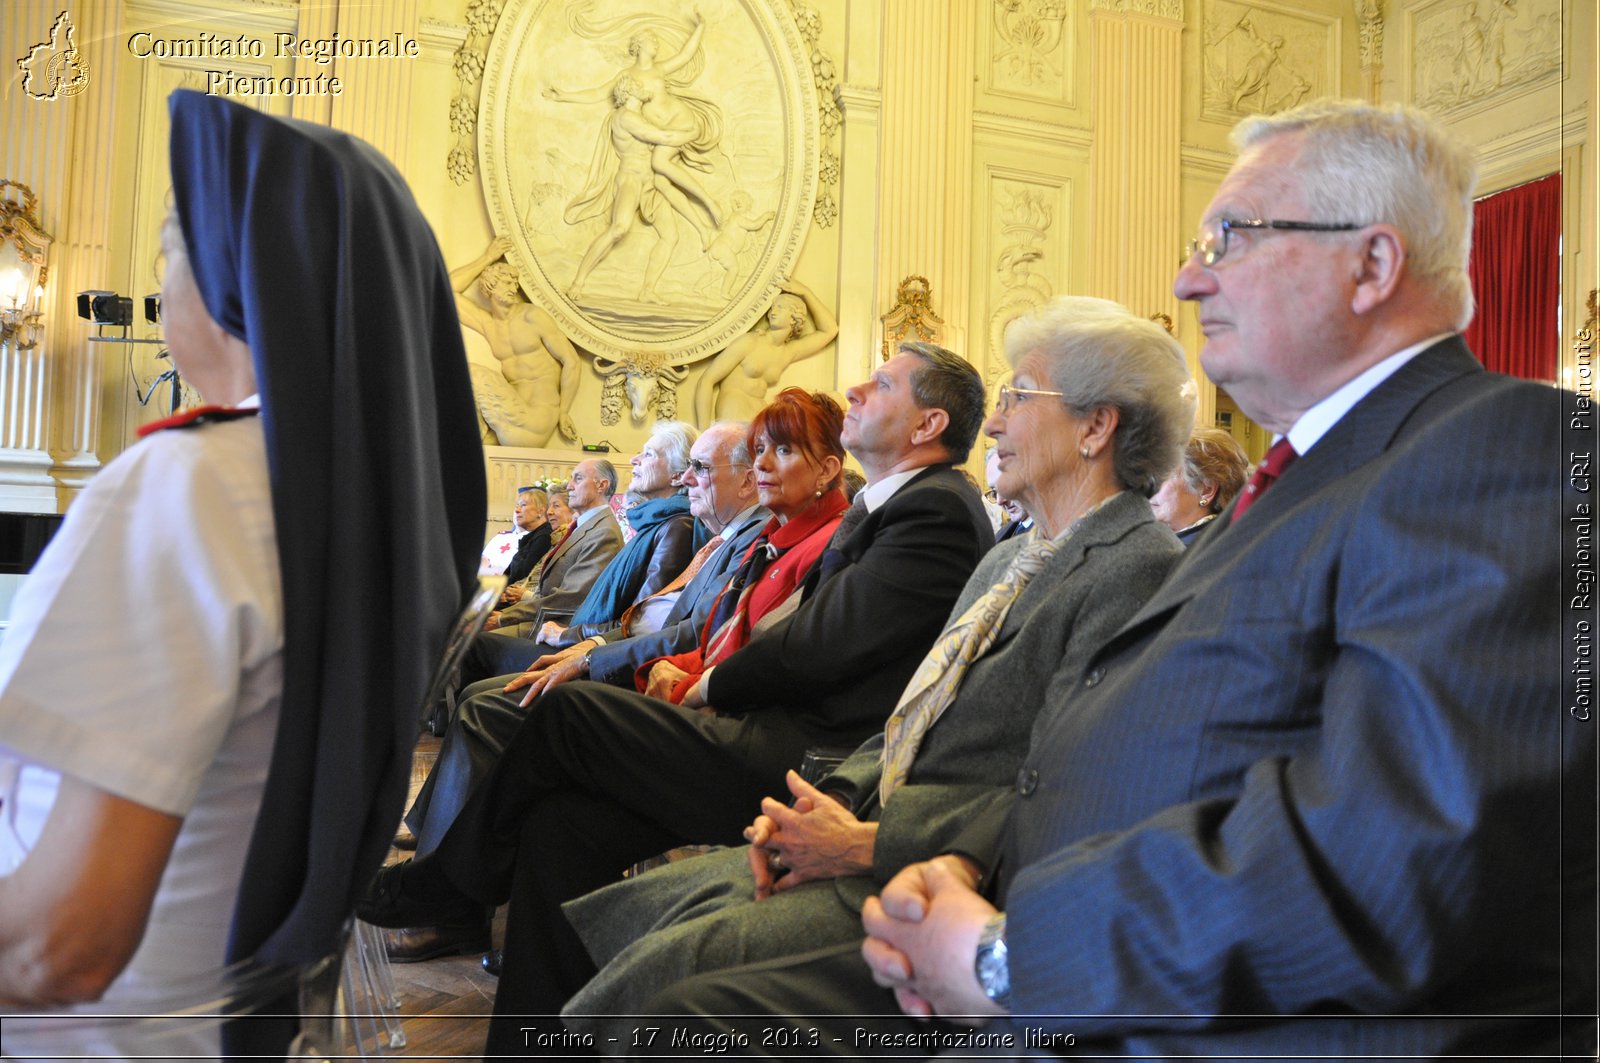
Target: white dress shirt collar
(738, 522)
(880, 492)
(1315, 422)
(580, 519)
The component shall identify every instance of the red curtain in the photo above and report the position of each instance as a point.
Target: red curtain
(1516, 277)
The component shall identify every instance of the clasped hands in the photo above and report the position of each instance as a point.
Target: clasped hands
(815, 838)
(922, 939)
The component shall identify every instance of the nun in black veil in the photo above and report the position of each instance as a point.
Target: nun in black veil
(193, 654)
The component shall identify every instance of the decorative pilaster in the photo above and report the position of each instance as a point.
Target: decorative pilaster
(63, 148)
(84, 252)
(376, 102)
(317, 22)
(1369, 16)
(1135, 229)
(925, 175)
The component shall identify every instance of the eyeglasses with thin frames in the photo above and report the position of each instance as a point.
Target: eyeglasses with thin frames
(1211, 243)
(1013, 396)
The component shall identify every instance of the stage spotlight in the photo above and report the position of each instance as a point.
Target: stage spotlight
(105, 308)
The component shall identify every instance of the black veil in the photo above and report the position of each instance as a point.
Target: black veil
(306, 244)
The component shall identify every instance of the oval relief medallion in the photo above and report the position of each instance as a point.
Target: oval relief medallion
(654, 166)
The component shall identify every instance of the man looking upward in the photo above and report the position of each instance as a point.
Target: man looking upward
(1321, 797)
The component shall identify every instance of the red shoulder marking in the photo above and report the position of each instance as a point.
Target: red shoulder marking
(199, 415)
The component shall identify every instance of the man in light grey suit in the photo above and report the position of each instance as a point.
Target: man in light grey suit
(559, 582)
(1328, 793)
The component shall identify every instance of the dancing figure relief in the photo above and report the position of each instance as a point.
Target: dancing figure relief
(653, 152)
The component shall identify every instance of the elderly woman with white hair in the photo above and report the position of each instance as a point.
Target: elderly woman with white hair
(1090, 426)
(665, 537)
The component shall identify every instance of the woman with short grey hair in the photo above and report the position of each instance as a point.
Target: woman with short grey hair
(1091, 423)
(1093, 354)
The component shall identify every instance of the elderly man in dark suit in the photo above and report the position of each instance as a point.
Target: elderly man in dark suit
(598, 778)
(1323, 796)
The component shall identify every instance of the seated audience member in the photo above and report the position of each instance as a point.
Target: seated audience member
(559, 516)
(1322, 797)
(1211, 473)
(501, 549)
(665, 537)
(1084, 464)
(997, 516)
(597, 778)
(805, 504)
(561, 580)
(853, 483)
(529, 514)
(249, 679)
(1016, 520)
(722, 494)
(559, 512)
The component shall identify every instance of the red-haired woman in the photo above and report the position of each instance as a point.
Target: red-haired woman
(794, 442)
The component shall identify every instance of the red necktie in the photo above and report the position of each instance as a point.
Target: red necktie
(537, 575)
(1278, 458)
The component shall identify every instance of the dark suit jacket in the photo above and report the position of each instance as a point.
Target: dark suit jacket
(871, 610)
(619, 658)
(1323, 769)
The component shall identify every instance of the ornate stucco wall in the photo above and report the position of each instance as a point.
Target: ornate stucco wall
(1005, 150)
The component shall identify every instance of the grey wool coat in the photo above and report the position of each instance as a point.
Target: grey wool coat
(698, 914)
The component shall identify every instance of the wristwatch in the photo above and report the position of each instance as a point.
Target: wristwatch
(990, 966)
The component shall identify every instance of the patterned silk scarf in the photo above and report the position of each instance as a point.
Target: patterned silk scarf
(933, 687)
(725, 634)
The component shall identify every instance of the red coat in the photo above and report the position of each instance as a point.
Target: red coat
(803, 539)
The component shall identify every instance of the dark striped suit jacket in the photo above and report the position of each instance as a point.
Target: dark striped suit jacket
(1323, 776)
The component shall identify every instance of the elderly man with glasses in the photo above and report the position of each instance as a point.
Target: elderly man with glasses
(1329, 793)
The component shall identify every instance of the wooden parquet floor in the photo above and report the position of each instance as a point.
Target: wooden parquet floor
(444, 1003)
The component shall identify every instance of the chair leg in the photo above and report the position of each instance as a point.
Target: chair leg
(380, 982)
(370, 998)
(357, 1003)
